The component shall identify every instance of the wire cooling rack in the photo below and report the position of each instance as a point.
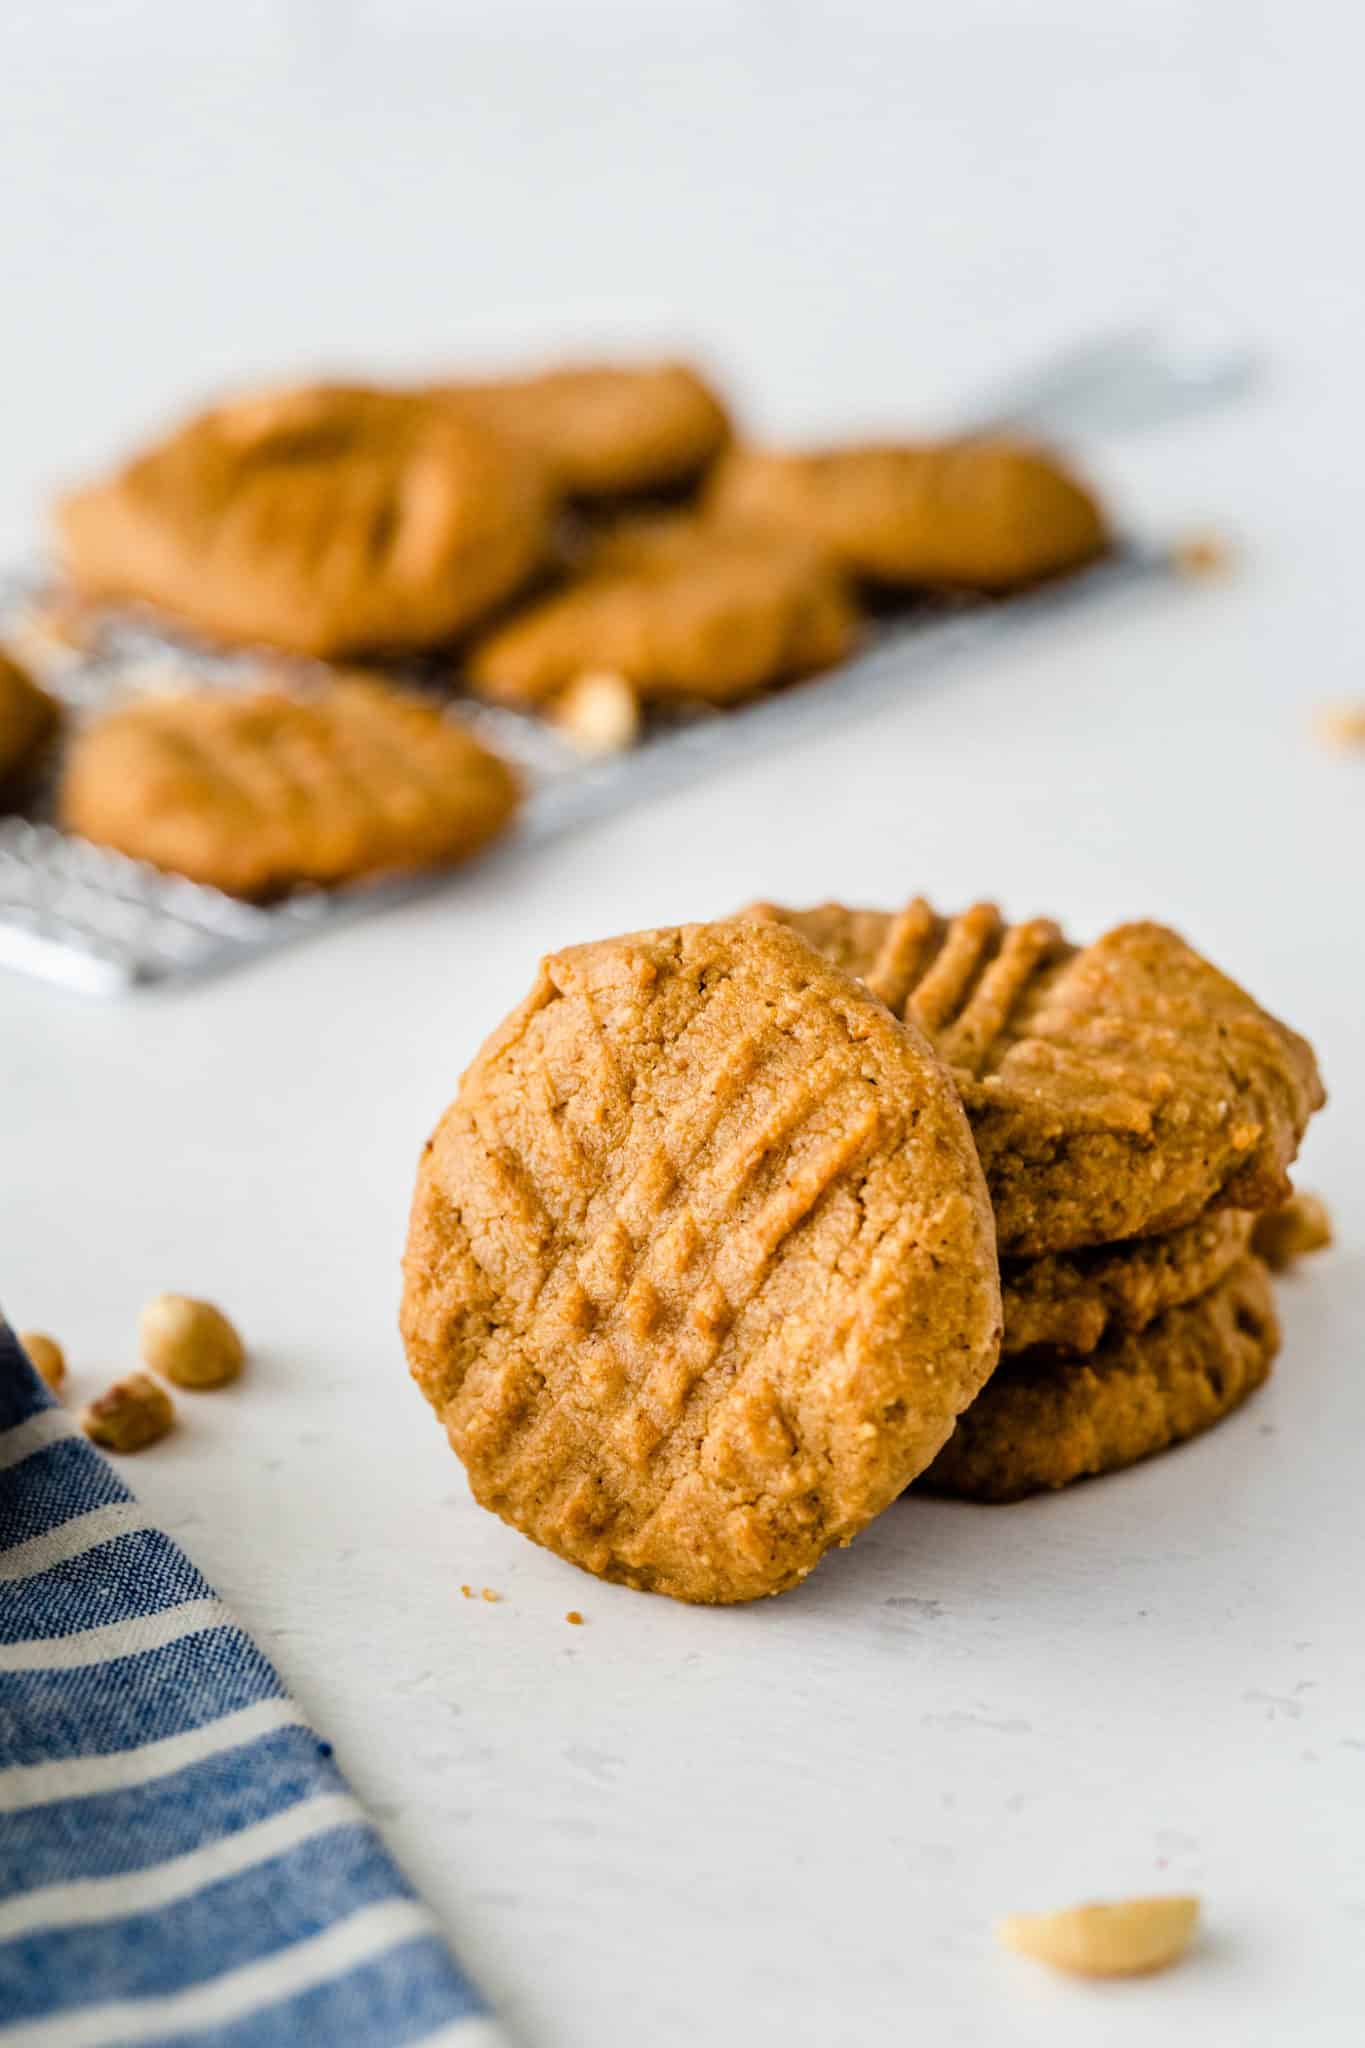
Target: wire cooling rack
(90, 919)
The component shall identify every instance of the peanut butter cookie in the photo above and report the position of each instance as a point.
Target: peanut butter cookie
(328, 520)
(700, 1268)
(1115, 1090)
(28, 719)
(679, 609)
(971, 515)
(1042, 1422)
(255, 794)
(1068, 1301)
(608, 430)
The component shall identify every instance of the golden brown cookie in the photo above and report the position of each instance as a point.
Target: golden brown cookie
(28, 719)
(608, 430)
(328, 520)
(679, 609)
(700, 1269)
(1068, 1301)
(1115, 1090)
(1042, 1422)
(971, 514)
(255, 794)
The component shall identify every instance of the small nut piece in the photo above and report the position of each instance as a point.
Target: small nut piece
(1342, 725)
(1301, 1226)
(1203, 554)
(1124, 1939)
(600, 712)
(46, 1357)
(134, 1413)
(191, 1342)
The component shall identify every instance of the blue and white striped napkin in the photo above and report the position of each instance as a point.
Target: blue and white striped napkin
(180, 1859)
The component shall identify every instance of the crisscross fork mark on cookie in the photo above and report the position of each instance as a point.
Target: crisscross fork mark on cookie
(962, 978)
(959, 978)
(643, 1233)
(332, 520)
(738, 1278)
(1115, 1090)
(254, 793)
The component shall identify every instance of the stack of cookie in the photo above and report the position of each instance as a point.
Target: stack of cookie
(1133, 1108)
(717, 1248)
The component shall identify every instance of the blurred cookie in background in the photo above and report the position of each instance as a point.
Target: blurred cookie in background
(325, 519)
(257, 793)
(680, 607)
(984, 515)
(608, 430)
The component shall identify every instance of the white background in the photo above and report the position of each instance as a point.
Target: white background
(793, 1824)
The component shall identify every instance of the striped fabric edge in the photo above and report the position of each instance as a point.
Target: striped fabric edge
(76, 1777)
(335, 1953)
(86, 1900)
(381, 1957)
(126, 1638)
(48, 1426)
(69, 1539)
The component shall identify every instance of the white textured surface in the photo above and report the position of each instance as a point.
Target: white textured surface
(792, 1824)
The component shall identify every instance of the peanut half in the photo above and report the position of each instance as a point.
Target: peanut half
(1124, 1939)
(191, 1342)
(1283, 1235)
(599, 712)
(46, 1357)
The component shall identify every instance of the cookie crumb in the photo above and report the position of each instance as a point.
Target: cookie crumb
(191, 1343)
(135, 1412)
(1301, 1226)
(574, 1618)
(1341, 725)
(490, 1595)
(46, 1357)
(599, 712)
(1127, 1938)
(468, 1592)
(1202, 555)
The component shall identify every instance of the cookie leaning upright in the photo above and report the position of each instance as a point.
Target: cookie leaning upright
(1115, 1090)
(701, 1267)
(329, 520)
